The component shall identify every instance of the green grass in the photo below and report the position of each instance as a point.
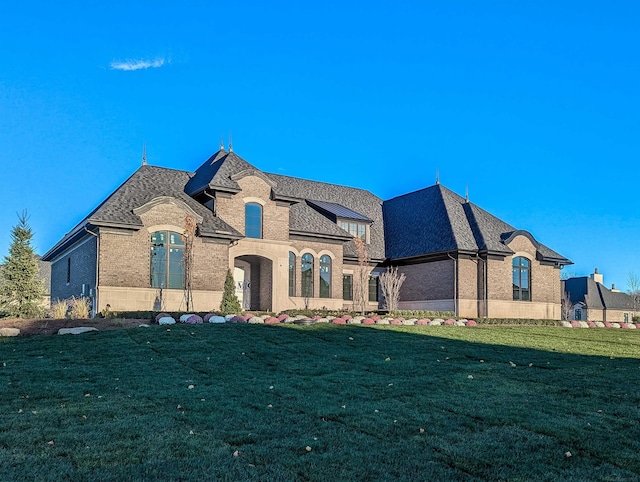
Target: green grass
(492, 403)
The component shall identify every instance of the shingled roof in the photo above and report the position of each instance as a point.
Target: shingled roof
(217, 173)
(595, 295)
(425, 222)
(357, 200)
(145, 185)
(437, 220)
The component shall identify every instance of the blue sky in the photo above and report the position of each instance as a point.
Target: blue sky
(532, 105)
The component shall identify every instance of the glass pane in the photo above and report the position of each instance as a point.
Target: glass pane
(361, 231)
(175, 238)
(176, 269)
(516, 277)
(373, 288)
(353, 229)
(159, 238)
(347, 287)
(524, 279)
(344, 225)
(253, 220)
(292, 274)
(325, 276)
(525, 262)
(524, 295)
(307, 275)
(158, 266)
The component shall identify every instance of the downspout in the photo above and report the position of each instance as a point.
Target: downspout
(95, 302)
(455, 284)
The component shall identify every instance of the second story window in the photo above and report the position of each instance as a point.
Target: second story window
(253, 220)
(357, 230)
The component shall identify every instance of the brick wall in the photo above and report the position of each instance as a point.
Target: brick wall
(275, 219)
(336, 249)
(82, 257)
(125, 256)
(427, 281)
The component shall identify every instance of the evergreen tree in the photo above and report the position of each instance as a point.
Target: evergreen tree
(230, 304)
(21, 288)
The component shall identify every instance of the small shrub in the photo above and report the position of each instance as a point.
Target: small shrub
(79, 308)
(59, 310)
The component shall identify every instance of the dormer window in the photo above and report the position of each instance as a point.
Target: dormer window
(357, 230)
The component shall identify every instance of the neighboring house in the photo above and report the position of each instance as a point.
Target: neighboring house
(290, 244)
(592, 301)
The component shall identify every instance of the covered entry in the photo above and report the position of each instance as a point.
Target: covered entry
(253, 277)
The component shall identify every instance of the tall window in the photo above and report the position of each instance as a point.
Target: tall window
(325, 276)
(373, 288)
(292, 274)
(521, 279)
(307, 275)
(167, 251)
(347, 287)
(357, 230)
(253, 220)
(578, 314)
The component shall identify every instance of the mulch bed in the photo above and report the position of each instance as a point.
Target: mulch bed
(51, 327)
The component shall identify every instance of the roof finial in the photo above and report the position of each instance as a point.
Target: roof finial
(144, 153)
(230, 142)
(437, 176)
(466, 194)
(221, 143)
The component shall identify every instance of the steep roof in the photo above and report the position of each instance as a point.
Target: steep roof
(437, 220)
(595, 295)
(218, 172)
(145, 185)
(356, 200)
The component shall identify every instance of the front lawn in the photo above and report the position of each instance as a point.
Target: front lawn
(324, 402)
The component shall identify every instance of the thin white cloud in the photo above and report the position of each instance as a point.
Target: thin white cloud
(137, 64)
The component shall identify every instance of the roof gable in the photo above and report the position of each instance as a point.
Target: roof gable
(221, 171)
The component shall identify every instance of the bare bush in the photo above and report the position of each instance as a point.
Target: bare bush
(390, 284)
(565, 306)
(361, 277)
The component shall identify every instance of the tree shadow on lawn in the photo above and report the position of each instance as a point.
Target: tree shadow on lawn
(369, 404)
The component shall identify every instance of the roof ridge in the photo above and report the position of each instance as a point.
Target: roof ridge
(412, 192)
(446, 208)
(323, 183)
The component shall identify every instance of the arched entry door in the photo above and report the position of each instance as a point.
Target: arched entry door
(253, 276)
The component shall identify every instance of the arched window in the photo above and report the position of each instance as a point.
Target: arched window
(521, 279)
(307, 275)
(325, 276)
(253, 220)
(167, 251)
(292, 274)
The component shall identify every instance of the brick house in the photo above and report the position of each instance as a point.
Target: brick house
(591, 300)
(289, 242)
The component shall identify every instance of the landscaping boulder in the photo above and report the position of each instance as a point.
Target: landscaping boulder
(383, 321)
(271, 321)
(166, 320)
(615, 325)
(449, 322)
(368, 321)
(161, 315)
(185, 317)
(436, 322)
(256, 320)
(583, 324)
(459, 323)
(193, 319)
(339, 321)
(216, 319)
(409, 322)
(354, 321)
(566, 324)
(471, 323)
(423, 321)
(9, 331)
(599, 324)
(76, 331)
(575, 324)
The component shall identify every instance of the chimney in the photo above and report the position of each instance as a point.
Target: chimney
(597, 277)
(613, 289)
